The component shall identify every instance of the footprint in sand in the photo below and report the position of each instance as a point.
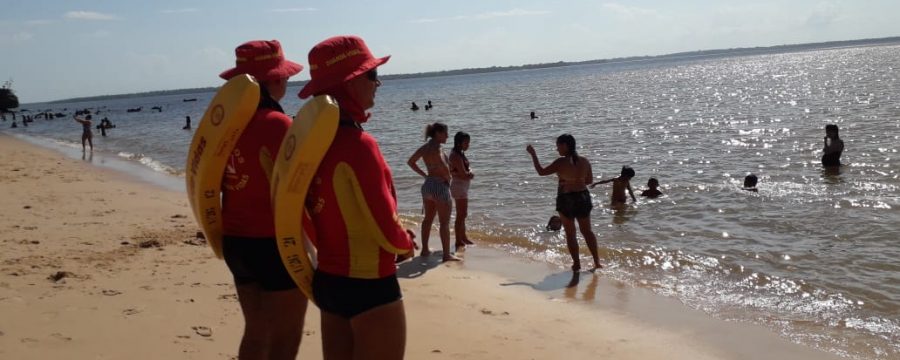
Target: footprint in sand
(203, 331)
(111, 292)
(130, 311)
(60, 337)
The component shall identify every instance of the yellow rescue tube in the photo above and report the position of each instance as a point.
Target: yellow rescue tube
(218, 132)
(302, 149)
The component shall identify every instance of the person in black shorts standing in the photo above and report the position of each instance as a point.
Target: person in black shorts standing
(573, 200)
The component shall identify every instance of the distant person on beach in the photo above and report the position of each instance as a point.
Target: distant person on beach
(86, 134)
(554, 224)
(104, 125)
(834, 146)
(750, 183)
(461, 176)
(187, 123)
(620, 184)
(414, 107)
(573, 201)
(273, 307)
(533, 116)
(653, 189)
(14, 125)
(436, 189)
(355, 284)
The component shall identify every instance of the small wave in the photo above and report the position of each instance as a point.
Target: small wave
(150, 163)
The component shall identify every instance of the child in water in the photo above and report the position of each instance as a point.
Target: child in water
(554, 224)
(620, 184)
(750, 183)
(653, 191)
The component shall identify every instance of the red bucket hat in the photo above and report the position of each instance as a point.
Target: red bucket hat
(336, 60)
(263, 60)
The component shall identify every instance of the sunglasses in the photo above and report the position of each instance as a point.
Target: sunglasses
(372, 74)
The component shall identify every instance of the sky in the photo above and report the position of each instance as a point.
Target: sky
(72, 48)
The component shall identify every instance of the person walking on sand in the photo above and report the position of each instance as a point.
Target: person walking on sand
(86, 133)
(187, 123)
(272, 305)
(834, 146)
(355, 284)
(573, 201)
(620, 184)
(461, 175)
(436, 189)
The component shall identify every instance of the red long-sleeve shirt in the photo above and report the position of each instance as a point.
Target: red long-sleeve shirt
(354, 209)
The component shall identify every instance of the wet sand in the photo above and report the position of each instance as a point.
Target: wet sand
(96, 264)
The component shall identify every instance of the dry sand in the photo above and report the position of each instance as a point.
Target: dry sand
(95, 264)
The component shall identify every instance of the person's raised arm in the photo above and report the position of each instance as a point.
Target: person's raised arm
(77, 119)
(542, 171)
(601, 182)
(413, 161)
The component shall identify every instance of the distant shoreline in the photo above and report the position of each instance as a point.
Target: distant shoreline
(777, 49)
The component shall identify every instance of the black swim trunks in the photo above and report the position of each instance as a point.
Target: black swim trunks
(256, 260)
(348, 297)
(833, 159)
(574, 205)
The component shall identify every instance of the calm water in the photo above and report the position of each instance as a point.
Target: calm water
(813, 255)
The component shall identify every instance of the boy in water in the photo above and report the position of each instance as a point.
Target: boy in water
(620, 184)
(653, 191)
(750, 183)
(554, 224)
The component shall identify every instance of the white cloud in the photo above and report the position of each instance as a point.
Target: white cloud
(179, 11)
(306, 9)
(99, 34)
(88, 15)
(15, 38)
(629, 11)
(484, 16)
(39, 22)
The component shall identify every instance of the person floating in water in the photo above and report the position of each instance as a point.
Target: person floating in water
(653, 191)
(428, 106)
(554, 224)
(834, 146)
(533, 116)
(414, 107)
(750, 183)
(187, 123)
(620, 184)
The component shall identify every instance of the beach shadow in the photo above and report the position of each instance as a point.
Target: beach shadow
(419, 265)
(561, 280)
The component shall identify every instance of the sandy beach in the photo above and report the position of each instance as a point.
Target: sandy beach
(96, 264)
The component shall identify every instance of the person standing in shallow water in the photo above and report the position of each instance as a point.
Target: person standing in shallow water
(461, 175)
(86, 133)
(573, 200)
(834, 147)
(273, 307)
(436, 189)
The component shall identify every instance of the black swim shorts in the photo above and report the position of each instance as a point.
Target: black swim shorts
(256, 260)
(348, 297)
(574, 205)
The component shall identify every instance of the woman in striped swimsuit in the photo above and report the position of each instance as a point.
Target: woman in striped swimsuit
(436, 189)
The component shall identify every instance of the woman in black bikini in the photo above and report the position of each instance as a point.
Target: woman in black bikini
(86, 134)
(573, 201)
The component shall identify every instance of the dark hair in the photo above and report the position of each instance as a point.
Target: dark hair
(266, 101)
(653, 180)
(627, 171)
(569, 140)
(433, 129)
(750, 181)
(88, 117)
(458, 141)
(833, 127)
